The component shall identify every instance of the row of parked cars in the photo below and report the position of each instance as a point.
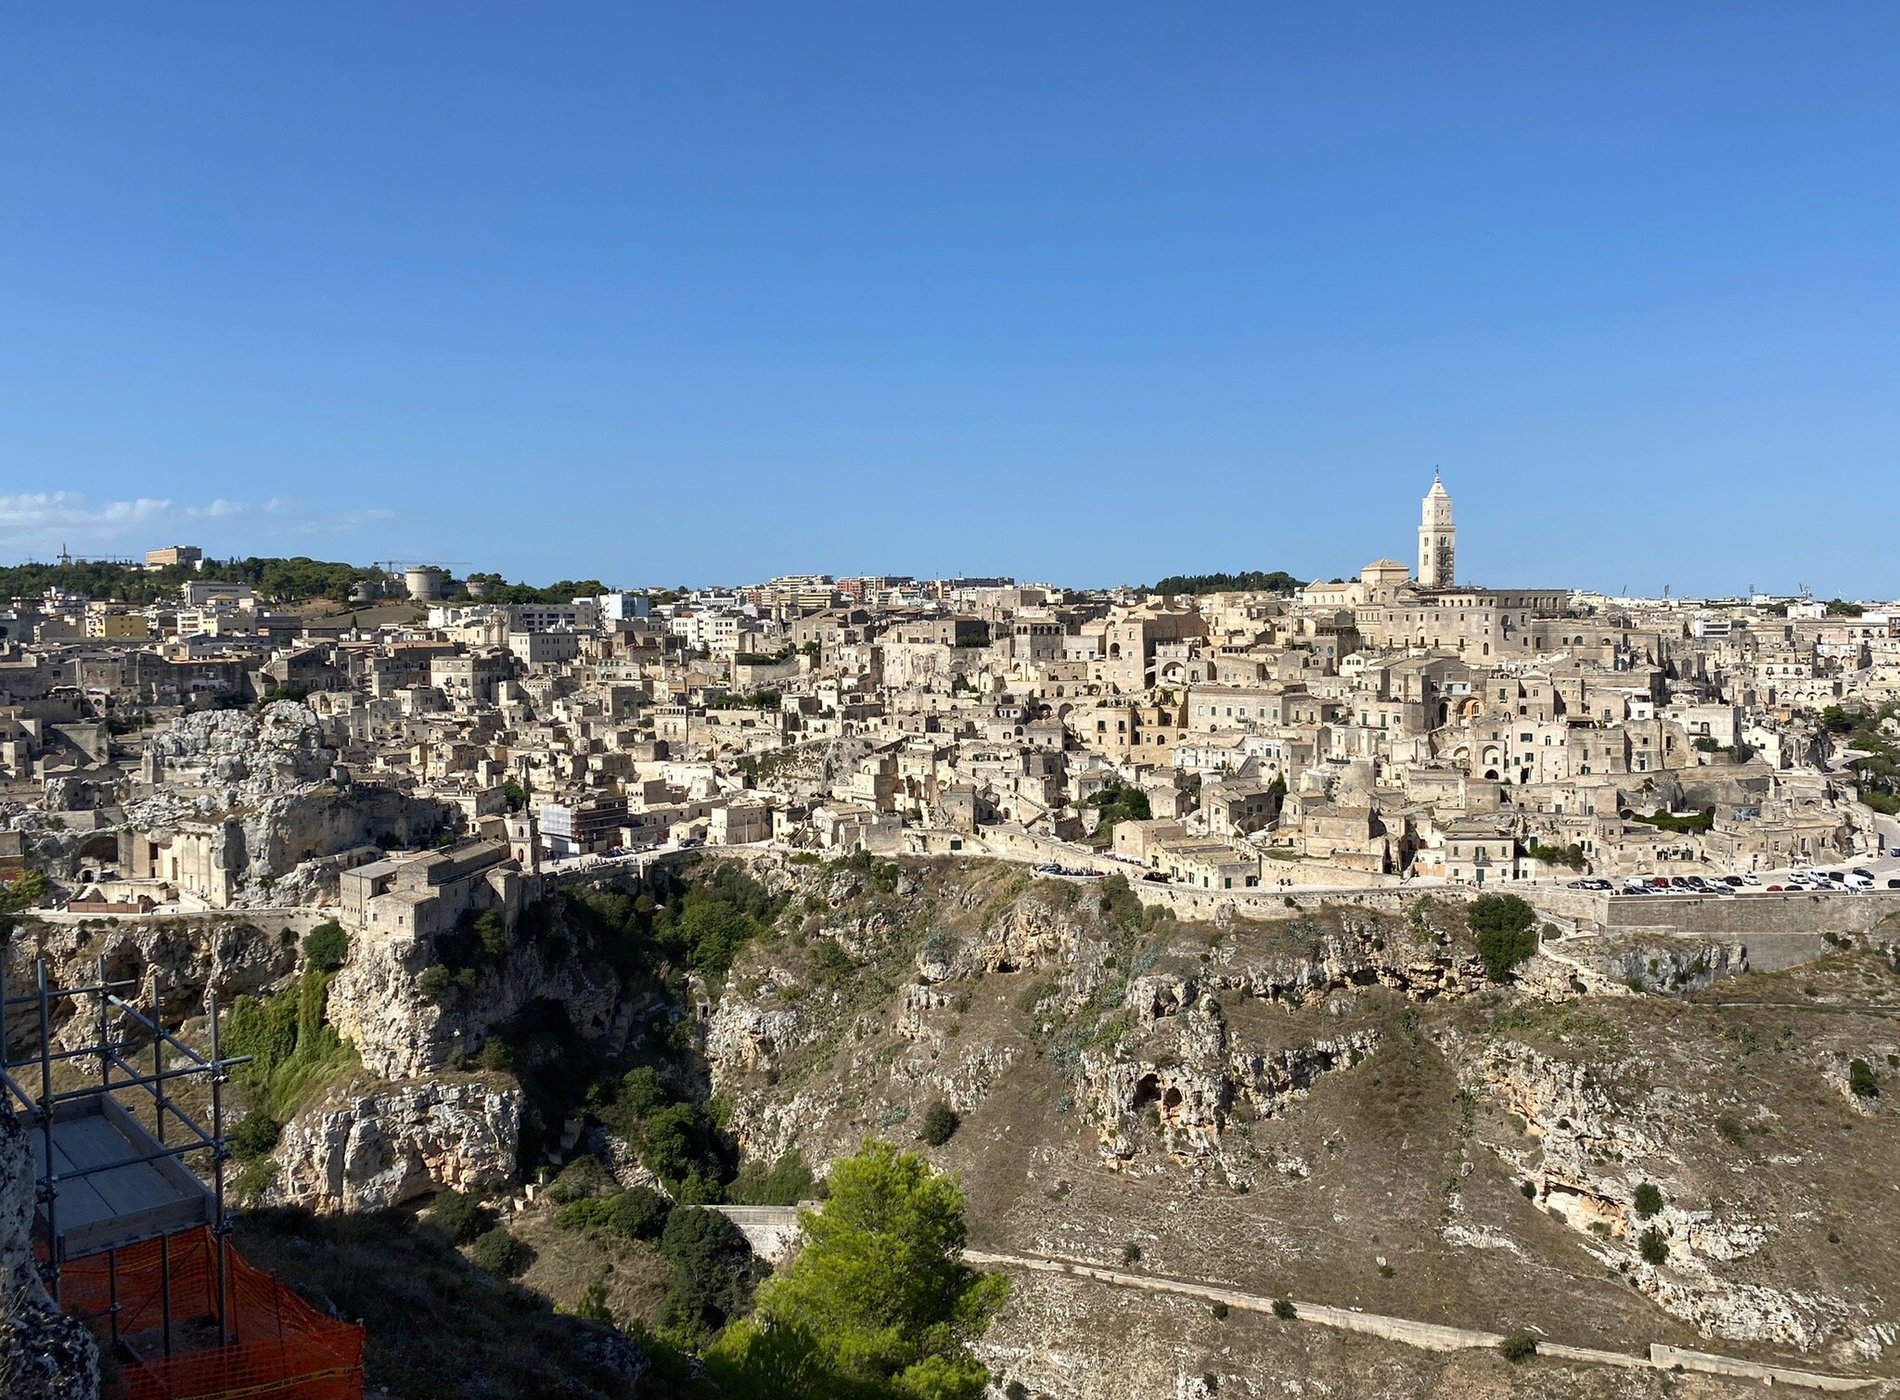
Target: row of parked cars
(1819, 881)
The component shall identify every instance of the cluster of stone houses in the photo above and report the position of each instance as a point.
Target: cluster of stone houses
(1391, 725)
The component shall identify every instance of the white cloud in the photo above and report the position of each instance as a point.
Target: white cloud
(42, 523)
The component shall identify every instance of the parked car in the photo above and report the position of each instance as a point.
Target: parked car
(1156, 877)
(1751, 879)
(1862, 870)
(1893, 884)
(1857, 881)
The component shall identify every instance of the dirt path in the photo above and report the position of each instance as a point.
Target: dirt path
(1429, 1336)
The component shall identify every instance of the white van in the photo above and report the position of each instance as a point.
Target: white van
(1860, 882)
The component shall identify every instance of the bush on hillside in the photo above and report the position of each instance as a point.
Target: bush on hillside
(939, 1125)
(501, 1254)
(459, 1216)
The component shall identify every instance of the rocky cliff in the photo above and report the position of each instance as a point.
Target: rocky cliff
(378, 1001)
(43, 1354)
(366, 1150)
(187, 957)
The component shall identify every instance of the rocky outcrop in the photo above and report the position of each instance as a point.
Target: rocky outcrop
(44, 1355)
(1353, 948)
(1586, 1156)
(367, 1151)
(1669, 968)
(1180, 1073)
(377, 1005)
(187, 956)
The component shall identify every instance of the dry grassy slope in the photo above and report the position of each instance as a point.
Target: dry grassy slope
(1011, 999)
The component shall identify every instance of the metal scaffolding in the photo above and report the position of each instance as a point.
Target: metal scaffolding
(103, 1181)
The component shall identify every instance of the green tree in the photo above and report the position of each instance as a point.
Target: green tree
(1836, 720)
(326, 946)
(1504, 926)
(880, 1285)
(714, 1272)
(493, 934)
(27, 890)
(785, 1183)
(753, 1360)
(1649, 1199)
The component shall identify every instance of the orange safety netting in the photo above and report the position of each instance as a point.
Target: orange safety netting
(284, 1349)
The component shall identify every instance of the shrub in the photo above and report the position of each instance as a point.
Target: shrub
(1219, 1310)
(785, 1183)
(1649, 1199)
(593, 1304)
(1284, 1310)
(501, 1254)
(1520, 1345)
(1529, 1189)
(1015, 1390)
(1131, 1253)
(940, 1123)
(1860, 1078)
(459, 1216)
(255, 1136)
(1653, 1246)
(580, 1178)
(326, 946)
(434, 983)
(640, 1214)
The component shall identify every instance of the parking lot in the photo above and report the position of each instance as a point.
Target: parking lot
(1858, 876)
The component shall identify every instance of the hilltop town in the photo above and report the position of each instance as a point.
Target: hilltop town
(1397, 726)
(1374, 983)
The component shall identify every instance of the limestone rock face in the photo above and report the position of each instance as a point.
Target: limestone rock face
(44, 1355)
(189, 956)
(1674, 969)
(1589, 1157)
(1182, 1070)
(279, 746)
(400, 1033)
(370, 1151)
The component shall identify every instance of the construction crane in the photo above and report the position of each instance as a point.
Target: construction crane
(402, 566)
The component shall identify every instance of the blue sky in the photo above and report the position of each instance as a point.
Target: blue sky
(1085, 292)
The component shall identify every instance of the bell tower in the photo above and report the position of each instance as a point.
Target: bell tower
(1437, 538)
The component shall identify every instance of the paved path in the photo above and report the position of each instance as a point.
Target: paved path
(1429, 1336)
